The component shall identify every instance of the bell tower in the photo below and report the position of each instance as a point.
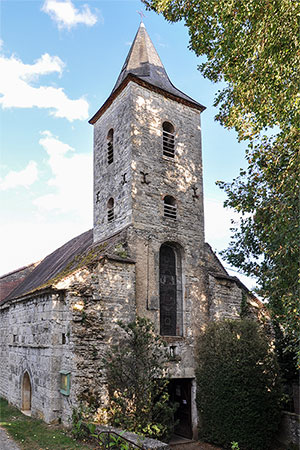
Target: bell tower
(148, 193)
(148, 183)
(147, 150)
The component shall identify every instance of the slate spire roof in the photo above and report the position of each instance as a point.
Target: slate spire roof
(143, 63)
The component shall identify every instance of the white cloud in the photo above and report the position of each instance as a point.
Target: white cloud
(23, 178)
(67, 16)
(17, 92)
(71, 179)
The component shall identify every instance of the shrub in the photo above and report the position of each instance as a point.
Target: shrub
(238, 395)
(137, 387)
(81, 425)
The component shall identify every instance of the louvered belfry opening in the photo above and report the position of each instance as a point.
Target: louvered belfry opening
(168, 140)
(110, 146)
(167, 291)
(110, 210)
(170, 207)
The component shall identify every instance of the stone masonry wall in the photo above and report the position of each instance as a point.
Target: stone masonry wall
(97, 299)
(180, 177)
(225, 298)
(69, 331)
(113, 180)
(31, 333)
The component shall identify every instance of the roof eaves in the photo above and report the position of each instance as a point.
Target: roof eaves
(147, 85)
(119, 259)
(35, 293)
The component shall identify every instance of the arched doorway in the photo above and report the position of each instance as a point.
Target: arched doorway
(26, 393)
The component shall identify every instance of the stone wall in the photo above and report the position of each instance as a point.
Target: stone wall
(97, 298)
(153, 177)
(109, 179)
(31, 332)
(145, 443)
(65, 331)
(289, 431)
(225, 298)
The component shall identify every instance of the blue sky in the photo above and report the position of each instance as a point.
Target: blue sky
(59, 61)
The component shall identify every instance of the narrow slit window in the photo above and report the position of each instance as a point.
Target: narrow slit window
(170, 207)
(110, 146)
(168, 140)
(110, 210)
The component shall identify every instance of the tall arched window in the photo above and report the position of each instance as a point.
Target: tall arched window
(110, 210)
(110, 146)
(168, 140)
(170, 207)
(170, 290)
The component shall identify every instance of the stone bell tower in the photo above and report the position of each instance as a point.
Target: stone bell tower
(148, 193)
(147, 150)
(148, 183)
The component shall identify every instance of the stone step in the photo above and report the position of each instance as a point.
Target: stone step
(185, 444)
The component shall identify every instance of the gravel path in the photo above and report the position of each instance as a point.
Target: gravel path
(6, 442)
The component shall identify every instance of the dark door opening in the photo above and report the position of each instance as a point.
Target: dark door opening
(26, 393)
(180, 393)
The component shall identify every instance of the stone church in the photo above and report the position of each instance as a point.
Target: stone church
(146, 255)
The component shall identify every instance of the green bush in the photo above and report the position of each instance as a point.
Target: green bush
(238, 395)
(137, 387)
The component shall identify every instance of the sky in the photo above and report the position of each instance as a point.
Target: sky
(59, 60)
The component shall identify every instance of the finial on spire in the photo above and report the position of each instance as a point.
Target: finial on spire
(142, 15)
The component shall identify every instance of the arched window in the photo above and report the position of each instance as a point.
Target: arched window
(170, 290)
(110, 146)
(170, 207)
(110, 210)
(168, 140)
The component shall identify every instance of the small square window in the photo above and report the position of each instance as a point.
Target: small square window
(65, 382)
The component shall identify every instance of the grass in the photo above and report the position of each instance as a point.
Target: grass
(33, 434)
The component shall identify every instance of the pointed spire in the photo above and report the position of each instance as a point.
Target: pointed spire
(143, 61)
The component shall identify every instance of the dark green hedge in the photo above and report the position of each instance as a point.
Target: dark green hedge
(238, 395)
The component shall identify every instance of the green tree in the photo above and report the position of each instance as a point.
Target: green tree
(253, 47)
(238, 390)
(137, 384)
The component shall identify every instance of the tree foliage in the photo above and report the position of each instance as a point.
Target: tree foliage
(137, 384)
(237, 385)
(253, 47)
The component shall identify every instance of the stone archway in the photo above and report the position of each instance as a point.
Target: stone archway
(26, 393)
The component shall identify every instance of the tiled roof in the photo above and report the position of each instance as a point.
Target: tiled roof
(54, 264)
(11, 280)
